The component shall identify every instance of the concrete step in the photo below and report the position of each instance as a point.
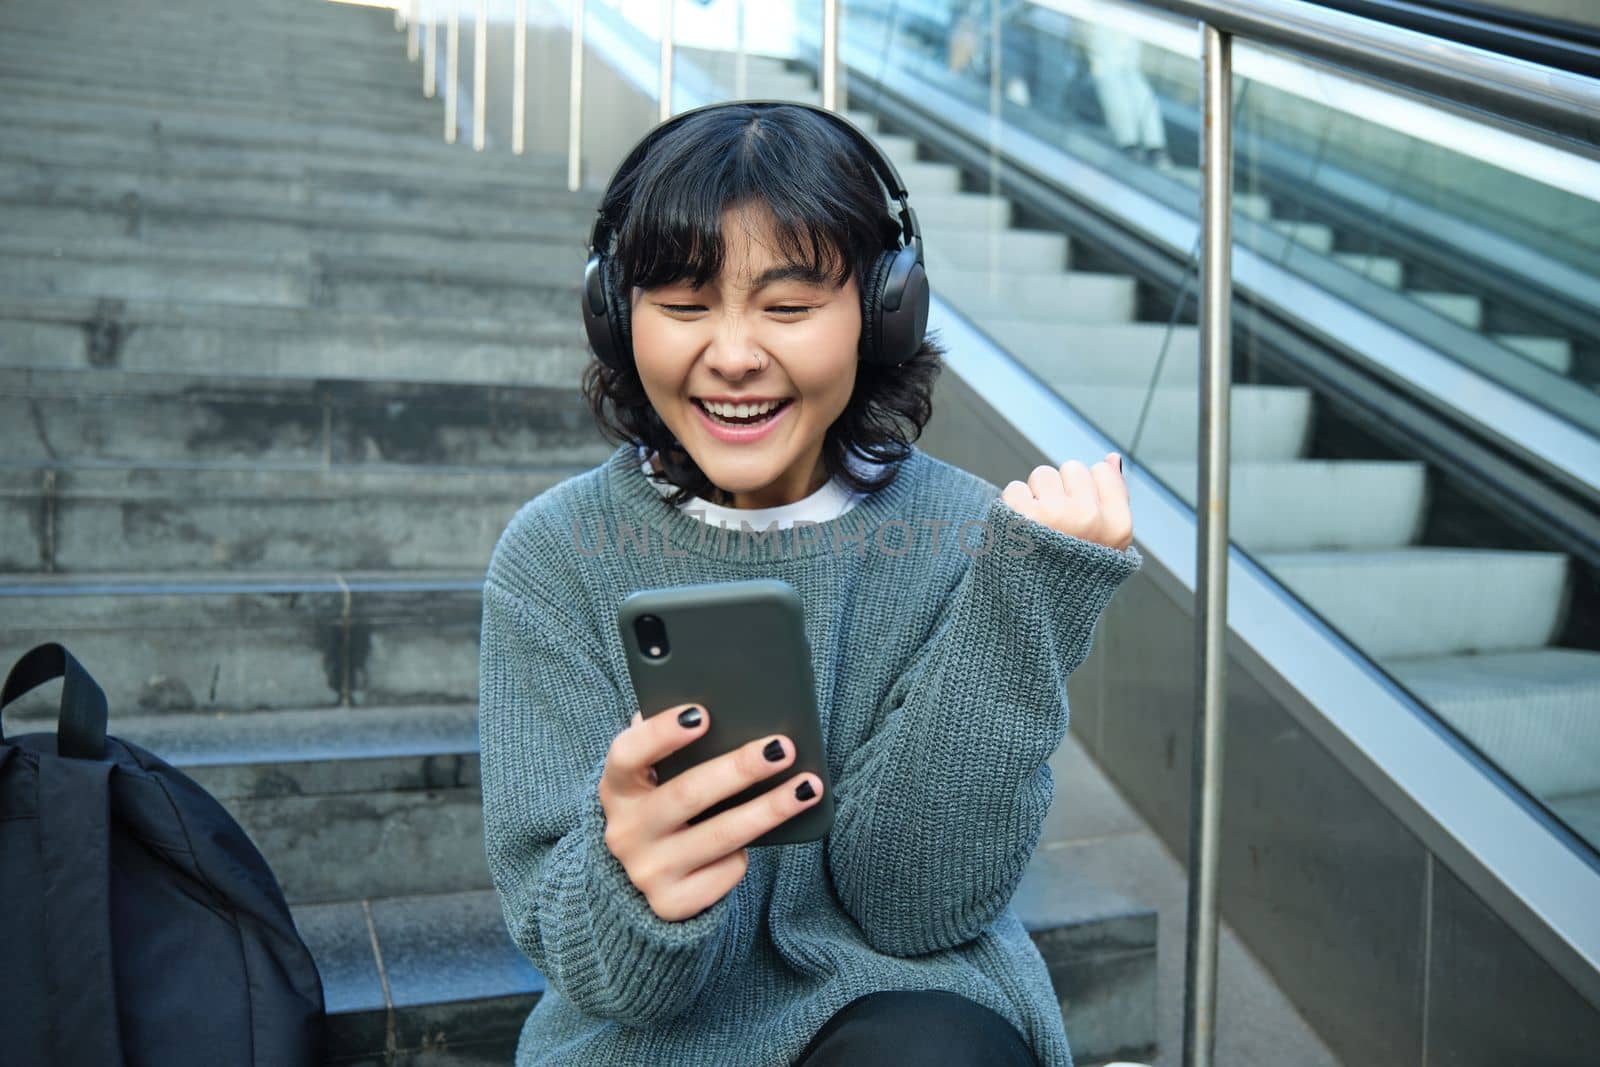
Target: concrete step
(208, 340)
(1458, 307)
(782, 86)
(1271, 424)
(1553, 353)
(463, 235)
(393, 109)
(964, 211)
(419, 154)
(336, 26)
(430, 979)
(383, 85)
(1047, 296)
(118, 419)
(1458, 601)
(458, 171)
(205, 643)
(923, 178)
(1313, 235)
(400, 787)
(455, 981)
(1384, 270)
(28, 120)
(171, 59)
(1091, 353)
(1316, 505)
(416, 198)
(481, 284)
(232, 520)
(1532, 711)
(901, 150)
(947, 247)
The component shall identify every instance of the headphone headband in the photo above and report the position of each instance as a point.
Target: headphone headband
(882, 165)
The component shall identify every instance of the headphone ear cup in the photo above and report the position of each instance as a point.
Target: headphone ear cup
(610, 338)
(872, 308)
(621, 314)
(899, 306)
(597, 316)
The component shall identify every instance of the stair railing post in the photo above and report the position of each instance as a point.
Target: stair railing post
(741, 57)
(519, 80)
(430, 51)
(480, 74)
(575, 101)
(452, 69)
(830, 54)
(1211, 588)
(664, 96)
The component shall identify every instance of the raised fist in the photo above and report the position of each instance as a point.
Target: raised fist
(1090, 503)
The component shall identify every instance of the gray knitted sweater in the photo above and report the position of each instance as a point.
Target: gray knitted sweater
(942, 627)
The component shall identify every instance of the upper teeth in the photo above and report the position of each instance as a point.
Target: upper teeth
(740, 411)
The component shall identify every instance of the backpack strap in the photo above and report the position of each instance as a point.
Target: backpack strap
(75, 847)
(81, 729)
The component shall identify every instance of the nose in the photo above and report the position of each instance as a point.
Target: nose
(732, 352)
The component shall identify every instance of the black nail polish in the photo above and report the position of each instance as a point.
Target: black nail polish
(773, 751)
(803, 791)
(689, 718)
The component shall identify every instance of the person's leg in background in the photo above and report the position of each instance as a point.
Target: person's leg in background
(930, 1028)
(1133, 115)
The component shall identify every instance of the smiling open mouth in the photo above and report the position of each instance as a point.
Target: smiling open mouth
(745, 420)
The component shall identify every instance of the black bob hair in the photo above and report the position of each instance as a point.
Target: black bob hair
(831, 216)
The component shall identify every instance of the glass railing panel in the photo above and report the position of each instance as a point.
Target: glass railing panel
(1480, 613)
(1479, 242)
(1462, 607)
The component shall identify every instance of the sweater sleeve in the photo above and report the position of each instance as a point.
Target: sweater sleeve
(546, 718)
(937, 815)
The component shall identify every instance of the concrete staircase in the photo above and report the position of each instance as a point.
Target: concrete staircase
(1470, 631)
(277, 368)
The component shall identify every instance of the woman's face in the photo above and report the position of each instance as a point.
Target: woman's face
(763, 330)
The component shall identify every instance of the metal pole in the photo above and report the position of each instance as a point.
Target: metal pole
(413, 38)
(430, 52)
(830, 54)
(1205, 816)
(480, 74)
(519, 80)
(452, 73)
(575, 102)
(665, 95)
(741, 59)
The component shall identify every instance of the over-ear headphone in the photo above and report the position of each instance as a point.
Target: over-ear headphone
(894, 294)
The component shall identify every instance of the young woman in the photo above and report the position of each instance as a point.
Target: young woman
(943, 616)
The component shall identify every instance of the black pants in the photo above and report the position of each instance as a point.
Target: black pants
(929, 1028)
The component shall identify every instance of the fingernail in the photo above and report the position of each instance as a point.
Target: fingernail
(803, 791)
(1117, 459)
(774, 750)
(689, 718)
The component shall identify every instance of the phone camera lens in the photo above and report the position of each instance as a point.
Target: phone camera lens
(652, 636)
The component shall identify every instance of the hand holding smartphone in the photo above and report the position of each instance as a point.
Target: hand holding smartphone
(738, 650)
(686, 787)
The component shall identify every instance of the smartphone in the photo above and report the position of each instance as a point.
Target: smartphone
(739, 650)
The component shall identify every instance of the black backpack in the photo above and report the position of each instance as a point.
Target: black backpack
(139, 926)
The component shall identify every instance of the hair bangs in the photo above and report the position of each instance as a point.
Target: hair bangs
(781, 189)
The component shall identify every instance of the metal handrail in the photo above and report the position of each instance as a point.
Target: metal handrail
(1556, 101)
